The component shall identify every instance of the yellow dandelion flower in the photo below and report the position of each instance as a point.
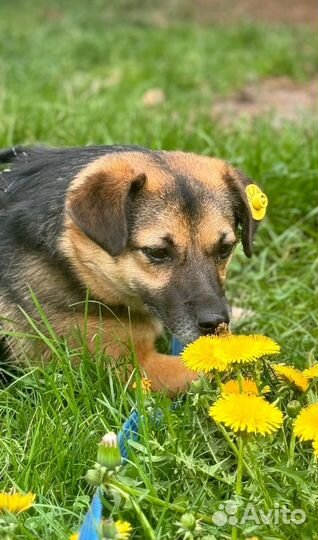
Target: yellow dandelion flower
(145, 385)
(124, 529)
(16, 502)
(200, 356)
(220, 352)
(249, 413)
(312, 372)
(74, 536)
(306, 423)
(292, 375)
(233, 387)
(315, 447)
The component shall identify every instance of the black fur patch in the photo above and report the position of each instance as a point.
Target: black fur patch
(6, 368)
(187, 192)
(242, 212)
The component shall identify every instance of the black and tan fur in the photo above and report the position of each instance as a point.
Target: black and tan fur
(99, 218)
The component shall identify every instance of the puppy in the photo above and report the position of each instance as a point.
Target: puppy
(148, 233)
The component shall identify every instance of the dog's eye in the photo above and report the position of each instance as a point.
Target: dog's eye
(157, 255)
(225, 250)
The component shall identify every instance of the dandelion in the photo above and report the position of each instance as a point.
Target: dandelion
(247, 413)
(74, 536)
(315, 447)
(220, 352)
(202, 356)
(247, 386)
(244, 413)
(312, 372)
(16, 502)
(145, 385)
(291, 375)
(306, 423)
(124, 529)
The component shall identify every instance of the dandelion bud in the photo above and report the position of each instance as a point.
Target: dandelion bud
(188, 521)
(108, 454)
(197, 386)
(94, 477)
(109, 529)
(115, 530)
(293, 408)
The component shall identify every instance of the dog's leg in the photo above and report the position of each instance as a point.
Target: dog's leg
(166, 373)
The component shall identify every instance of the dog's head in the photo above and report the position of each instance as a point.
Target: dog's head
(162, 227)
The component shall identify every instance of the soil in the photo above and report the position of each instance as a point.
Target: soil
(279, 96)
(166, 12)
(227, 11)
(281, 11)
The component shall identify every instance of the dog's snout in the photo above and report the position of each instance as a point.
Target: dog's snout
(208, 321)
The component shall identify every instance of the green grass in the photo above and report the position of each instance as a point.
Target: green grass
(77, 76)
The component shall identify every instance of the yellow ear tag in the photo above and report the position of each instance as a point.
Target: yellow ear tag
(257, 201)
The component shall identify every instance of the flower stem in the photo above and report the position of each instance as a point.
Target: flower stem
(218, 380)
(259, 477)
(128, 491)
(240, 381)
(240, 466)
(235, 450)
(257, 377)
(239, 477)
(292, 448)
(229, 440)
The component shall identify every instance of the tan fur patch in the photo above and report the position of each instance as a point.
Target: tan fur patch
(209, 171)
(122, 168)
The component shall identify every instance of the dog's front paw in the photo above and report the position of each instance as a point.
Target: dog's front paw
(168, 373)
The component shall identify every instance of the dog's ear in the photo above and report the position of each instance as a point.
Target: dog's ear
(237, 183)
(99, 204)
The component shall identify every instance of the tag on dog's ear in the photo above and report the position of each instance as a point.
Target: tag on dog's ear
(257, 201)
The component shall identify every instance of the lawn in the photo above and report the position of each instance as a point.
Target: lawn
(76, 74)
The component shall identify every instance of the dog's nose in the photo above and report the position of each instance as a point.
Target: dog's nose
(208, 322)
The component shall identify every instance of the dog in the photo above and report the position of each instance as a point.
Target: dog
(148, 233)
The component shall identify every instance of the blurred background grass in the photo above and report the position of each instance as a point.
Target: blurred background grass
(234, 79)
